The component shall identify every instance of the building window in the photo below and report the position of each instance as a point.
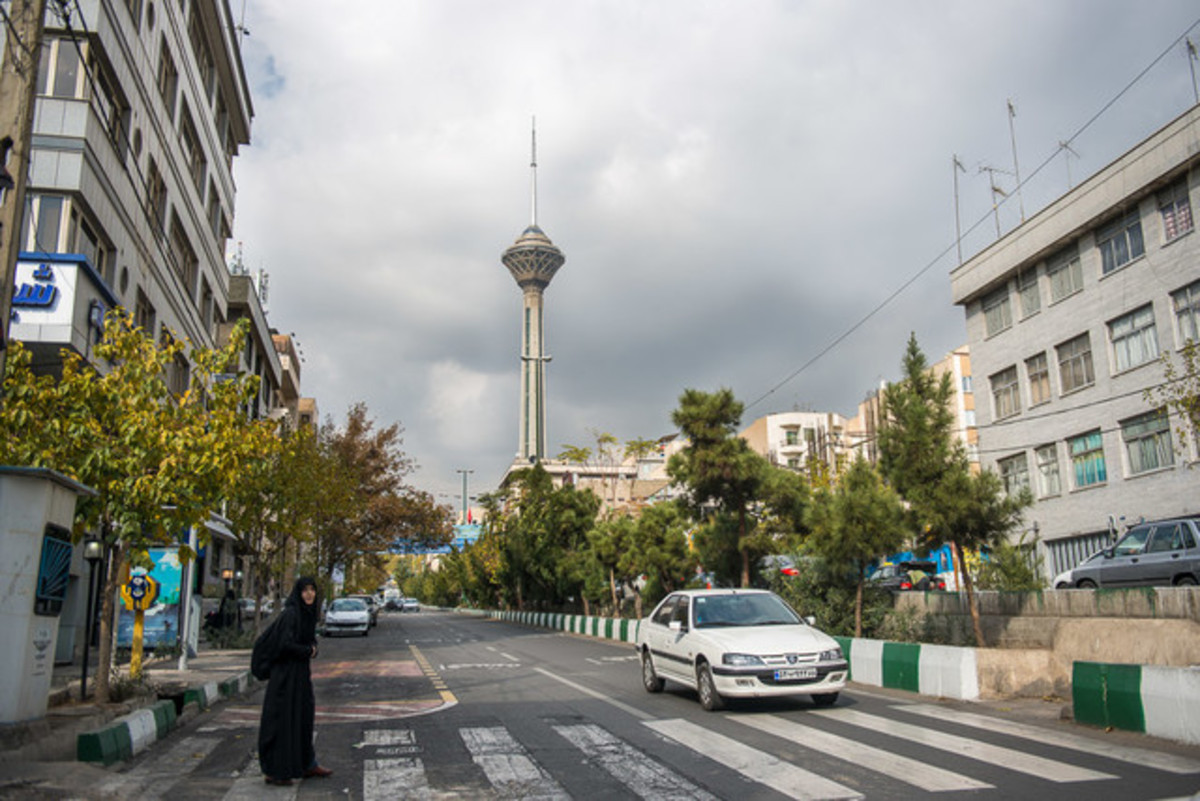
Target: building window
(1134, 339)
(1148, 442)
(997, 311)
(1006, 397)
(204, 59)
(135, 11)
(184, 257)
(168, 78)
(82, 238)
(1176, 211)
(1047, 465)
(43, 222)
(791, 437)
(177, 375)
(1065, 274)
(143, 313)
(59, 72)
(968, 386)
(1087, 459)
(1014, 474)
(1187, 311)
(1075, 364)
(156, 198)
(1037, 371)
(969, 418)
(1028, 292)
(206, 305)
(1120, 242)
(193, 153)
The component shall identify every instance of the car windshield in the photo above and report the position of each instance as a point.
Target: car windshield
(348, 605)
(751, 609)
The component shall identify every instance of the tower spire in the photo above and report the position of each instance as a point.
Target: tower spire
(533, 171)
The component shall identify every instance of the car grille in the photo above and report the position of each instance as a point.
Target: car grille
(785, 660)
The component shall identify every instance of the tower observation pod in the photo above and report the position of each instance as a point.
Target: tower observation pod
(533, 260)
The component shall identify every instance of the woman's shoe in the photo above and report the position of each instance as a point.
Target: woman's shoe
(278, 782)
(317, 772)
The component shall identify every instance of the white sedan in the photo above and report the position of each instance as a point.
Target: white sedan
(347, 616)
(738, 644)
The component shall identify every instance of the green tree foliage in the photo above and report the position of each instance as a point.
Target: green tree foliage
(856, 522)
(1012, 567)
(159, 461)
(609, 543)
(659, 551)
(829, 594)
(717, 466)
(537, 530)
(922, 460)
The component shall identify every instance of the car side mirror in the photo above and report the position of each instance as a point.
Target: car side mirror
(1108, 553)
(810, 620)
(677, 625)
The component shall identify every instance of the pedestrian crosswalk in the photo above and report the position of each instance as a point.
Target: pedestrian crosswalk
(815, 754)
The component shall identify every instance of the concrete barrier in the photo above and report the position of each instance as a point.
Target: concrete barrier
(1161, 701)
(605, 628)
(944, 671)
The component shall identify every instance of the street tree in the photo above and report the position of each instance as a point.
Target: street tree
(1180, 392)
(160, 451)
(855, 522)
(717, 466)
(659, 551)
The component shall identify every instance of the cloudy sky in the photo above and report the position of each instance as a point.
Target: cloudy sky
(738, 188)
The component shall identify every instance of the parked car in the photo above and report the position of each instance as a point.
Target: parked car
(347, 616)
(738, 643)
(907, 575)
(410, 605)
(1163, 553)
(772, 565)
(1066, 579)
(392, 600)
(372, 607)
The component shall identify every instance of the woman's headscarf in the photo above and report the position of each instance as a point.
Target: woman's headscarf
(308, 614)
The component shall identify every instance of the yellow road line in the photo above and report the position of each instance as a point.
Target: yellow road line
(427, 669)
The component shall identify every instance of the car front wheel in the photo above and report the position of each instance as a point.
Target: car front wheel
(650, 678)
(710, 699)
(825, 699)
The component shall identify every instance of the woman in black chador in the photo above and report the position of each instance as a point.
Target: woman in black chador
(285, 735)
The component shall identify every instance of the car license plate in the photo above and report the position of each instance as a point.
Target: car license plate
(792, 674)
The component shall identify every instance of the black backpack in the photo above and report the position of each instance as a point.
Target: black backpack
(266, 651)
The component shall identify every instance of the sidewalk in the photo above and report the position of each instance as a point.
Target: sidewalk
(32, 754)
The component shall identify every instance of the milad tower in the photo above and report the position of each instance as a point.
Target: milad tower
(533, 260)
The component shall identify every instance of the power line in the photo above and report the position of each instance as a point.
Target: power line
(982, 220)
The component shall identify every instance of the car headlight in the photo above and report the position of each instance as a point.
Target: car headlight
(832, 655)
(741, 660)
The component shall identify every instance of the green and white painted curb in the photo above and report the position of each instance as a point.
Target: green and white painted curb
(606, 628)
(945, 671)
(131, 734)
(1160, 701)
(126, 736)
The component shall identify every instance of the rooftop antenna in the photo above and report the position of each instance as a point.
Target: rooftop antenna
(1012, 133)
(533, 169)
(1067, 159)
(958, 165)
(1191, 50)
(996, 190)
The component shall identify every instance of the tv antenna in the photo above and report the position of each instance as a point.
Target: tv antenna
(997, 192)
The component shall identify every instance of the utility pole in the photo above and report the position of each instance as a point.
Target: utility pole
(18, 87)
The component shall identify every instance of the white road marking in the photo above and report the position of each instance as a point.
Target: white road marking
(637, 771)
(508, 766)
(379, 737)
(1170, 763)
(763, 768)
(628, 709)
(389, 779)
(509, 657)
(1048, 769)
(899, 768)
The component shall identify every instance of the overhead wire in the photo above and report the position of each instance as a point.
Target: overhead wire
(981, 221)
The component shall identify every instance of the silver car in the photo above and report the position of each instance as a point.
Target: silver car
(1163, 553)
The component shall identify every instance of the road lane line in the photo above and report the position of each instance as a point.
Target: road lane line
(896, 767)
(1170, 763)
(632, 710)
(760, 766)
(639, 772)
(508, 765)
(1009, 758)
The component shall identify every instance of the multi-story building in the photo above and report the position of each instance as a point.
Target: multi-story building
(799, 440)
(1067, 318)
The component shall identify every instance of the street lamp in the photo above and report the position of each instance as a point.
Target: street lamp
(93, 552)
(237, 598)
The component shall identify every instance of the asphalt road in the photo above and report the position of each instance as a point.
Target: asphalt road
(437, 705)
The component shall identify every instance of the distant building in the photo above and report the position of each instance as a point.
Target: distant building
(1067, 317)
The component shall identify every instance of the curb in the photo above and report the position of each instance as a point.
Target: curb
(131, 734)
(1159, 701)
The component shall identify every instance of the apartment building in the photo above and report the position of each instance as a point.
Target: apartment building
(799, 440)
(1067, 317)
